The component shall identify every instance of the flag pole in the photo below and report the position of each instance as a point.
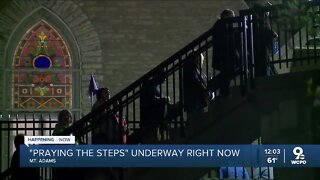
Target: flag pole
(93, 88)
(91, 92)
(91, 99)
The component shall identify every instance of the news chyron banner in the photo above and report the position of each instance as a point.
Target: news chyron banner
(55, 155)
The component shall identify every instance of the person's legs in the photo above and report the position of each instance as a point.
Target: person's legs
(225, 83)
(222, 82)
(149, 135)
(215, 83)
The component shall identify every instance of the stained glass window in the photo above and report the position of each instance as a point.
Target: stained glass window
(42, 71)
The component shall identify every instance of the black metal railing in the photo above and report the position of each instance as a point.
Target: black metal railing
(296, 45)
(29, 124)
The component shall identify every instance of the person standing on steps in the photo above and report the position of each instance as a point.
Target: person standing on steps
(226, 56)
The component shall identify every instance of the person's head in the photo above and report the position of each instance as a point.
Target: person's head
(103, 94)
(227, 13)
(159, 77)
(18, 140)
(65, 117)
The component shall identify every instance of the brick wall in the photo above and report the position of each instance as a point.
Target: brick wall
(137, 35)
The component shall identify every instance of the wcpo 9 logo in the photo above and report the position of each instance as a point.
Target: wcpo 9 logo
(298, 152)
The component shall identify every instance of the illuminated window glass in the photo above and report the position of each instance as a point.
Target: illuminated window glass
(42, 71)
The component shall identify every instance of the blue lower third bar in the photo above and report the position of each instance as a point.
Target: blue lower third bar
(169, 155)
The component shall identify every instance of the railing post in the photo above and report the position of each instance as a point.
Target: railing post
(34, 124)
(174, 93)
(133, 109)
(242, 23)
(8, 141)
(250, 50)
(181, 91)
(1, 119)
(42, 125)
(119, 109)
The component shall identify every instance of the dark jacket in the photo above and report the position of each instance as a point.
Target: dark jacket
(105, 129)
(226, 46)
(194, 82)
(19, 173)
(153, 104)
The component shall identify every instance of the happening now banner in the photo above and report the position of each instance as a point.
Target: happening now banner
(169, 155)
